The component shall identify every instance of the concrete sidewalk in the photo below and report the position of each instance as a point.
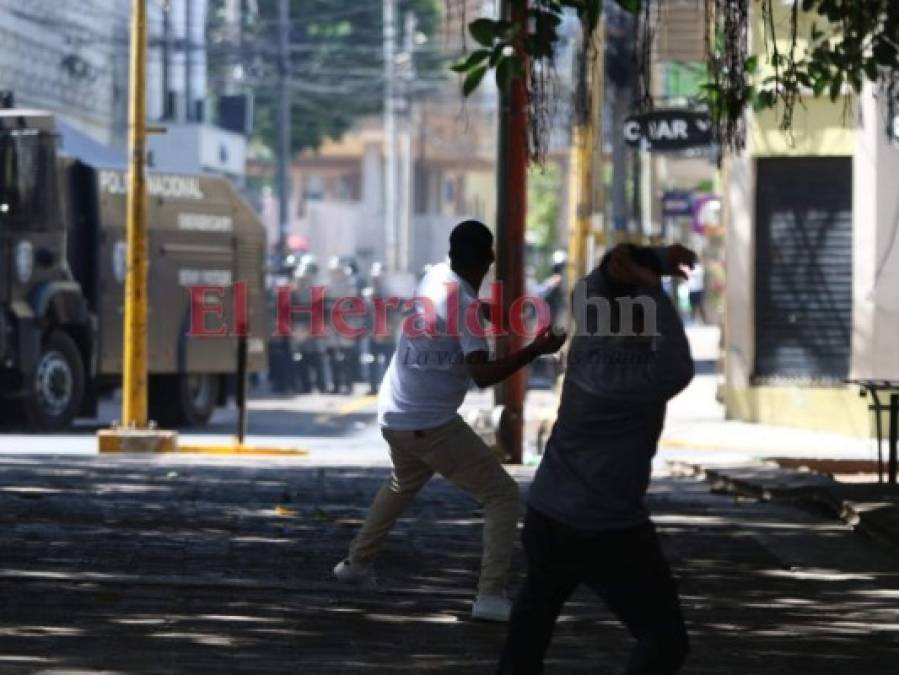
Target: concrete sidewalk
(870, 508)
(745, 459)
(696, 428)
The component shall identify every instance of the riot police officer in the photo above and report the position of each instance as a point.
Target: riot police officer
(309, 348)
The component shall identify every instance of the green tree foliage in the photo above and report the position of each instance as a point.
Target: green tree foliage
(544, 207)
(850, 42)
(336, 62)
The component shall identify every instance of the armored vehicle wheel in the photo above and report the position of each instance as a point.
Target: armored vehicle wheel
(198, 394)
(57, 384)
(183, 400)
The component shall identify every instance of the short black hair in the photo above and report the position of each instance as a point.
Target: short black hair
(471, 244)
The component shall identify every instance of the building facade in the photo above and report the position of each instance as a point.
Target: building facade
(69, 58)
(337, 195)
(73, 60)
(812, 264)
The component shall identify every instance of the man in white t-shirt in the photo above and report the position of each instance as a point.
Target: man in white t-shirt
(418, 404)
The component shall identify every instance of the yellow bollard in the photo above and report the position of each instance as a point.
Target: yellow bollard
(134, 375)
(134, 435)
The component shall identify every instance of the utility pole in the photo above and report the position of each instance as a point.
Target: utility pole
(390, 163)
(284, 123)
(620, 110)
(586, 157)
(134, 366)
(167, 61)
(188, 61)
(234, 20)
(134, 433)
(408, 175)
(510, 228)
(581, 171)
(620, 77)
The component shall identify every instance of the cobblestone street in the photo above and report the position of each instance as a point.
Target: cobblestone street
(179, 565)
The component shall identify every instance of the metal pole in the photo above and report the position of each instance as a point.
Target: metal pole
(134, 366)
(188, 62)
(620, 108)
(166, 61)
(878, 426)
(597, 161)
(510, 228)
(284, 123)
(390, 163)
(579, 208)
(894, 436)
(584, 134)
(646, 194)
(241, 393)
(408, 176)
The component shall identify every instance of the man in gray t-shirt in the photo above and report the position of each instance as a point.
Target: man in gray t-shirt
(586, 521)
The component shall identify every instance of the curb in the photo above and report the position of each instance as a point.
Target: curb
(872, 510)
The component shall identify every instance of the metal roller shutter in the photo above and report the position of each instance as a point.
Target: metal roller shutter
(803, 299)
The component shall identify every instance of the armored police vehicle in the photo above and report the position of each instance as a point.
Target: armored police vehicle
(62, 273)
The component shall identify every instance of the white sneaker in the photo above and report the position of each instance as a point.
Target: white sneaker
(356, 575)
(491, 608)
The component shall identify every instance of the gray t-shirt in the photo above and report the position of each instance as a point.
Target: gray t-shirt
(598, 459)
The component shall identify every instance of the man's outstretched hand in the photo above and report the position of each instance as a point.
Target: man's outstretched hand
(680, 259)
(624, 269)
(547, 341)
(486, 373)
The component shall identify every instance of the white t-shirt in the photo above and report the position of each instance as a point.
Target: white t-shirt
(696, 282)
(427, 379)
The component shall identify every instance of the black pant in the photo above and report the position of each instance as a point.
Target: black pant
(380, 354)
(280, 365)
(624, 567)
(310, 366)
(343, 362)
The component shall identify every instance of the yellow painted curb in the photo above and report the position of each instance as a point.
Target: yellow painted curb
(237, 449)
(356, 404)
(136, 440)
(678, 444)
(119, 441)
(348, 408)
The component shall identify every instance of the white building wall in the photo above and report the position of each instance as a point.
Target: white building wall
(177, 150)
(875, 247)
(190, 144)
(739, 321)
(155, 96)
(333, 228)
(69, 58)
(72, 58)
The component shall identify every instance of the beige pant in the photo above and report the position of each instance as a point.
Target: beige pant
(458, 454)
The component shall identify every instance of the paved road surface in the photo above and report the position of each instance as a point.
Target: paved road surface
(189, 564)
(176, 566)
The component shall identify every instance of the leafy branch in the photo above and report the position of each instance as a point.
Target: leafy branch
(850, 43)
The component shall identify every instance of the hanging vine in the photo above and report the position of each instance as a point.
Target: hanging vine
(498, 46)
(728, 89)
(831, 47)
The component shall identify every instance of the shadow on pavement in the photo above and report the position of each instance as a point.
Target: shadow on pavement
(165, 565)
